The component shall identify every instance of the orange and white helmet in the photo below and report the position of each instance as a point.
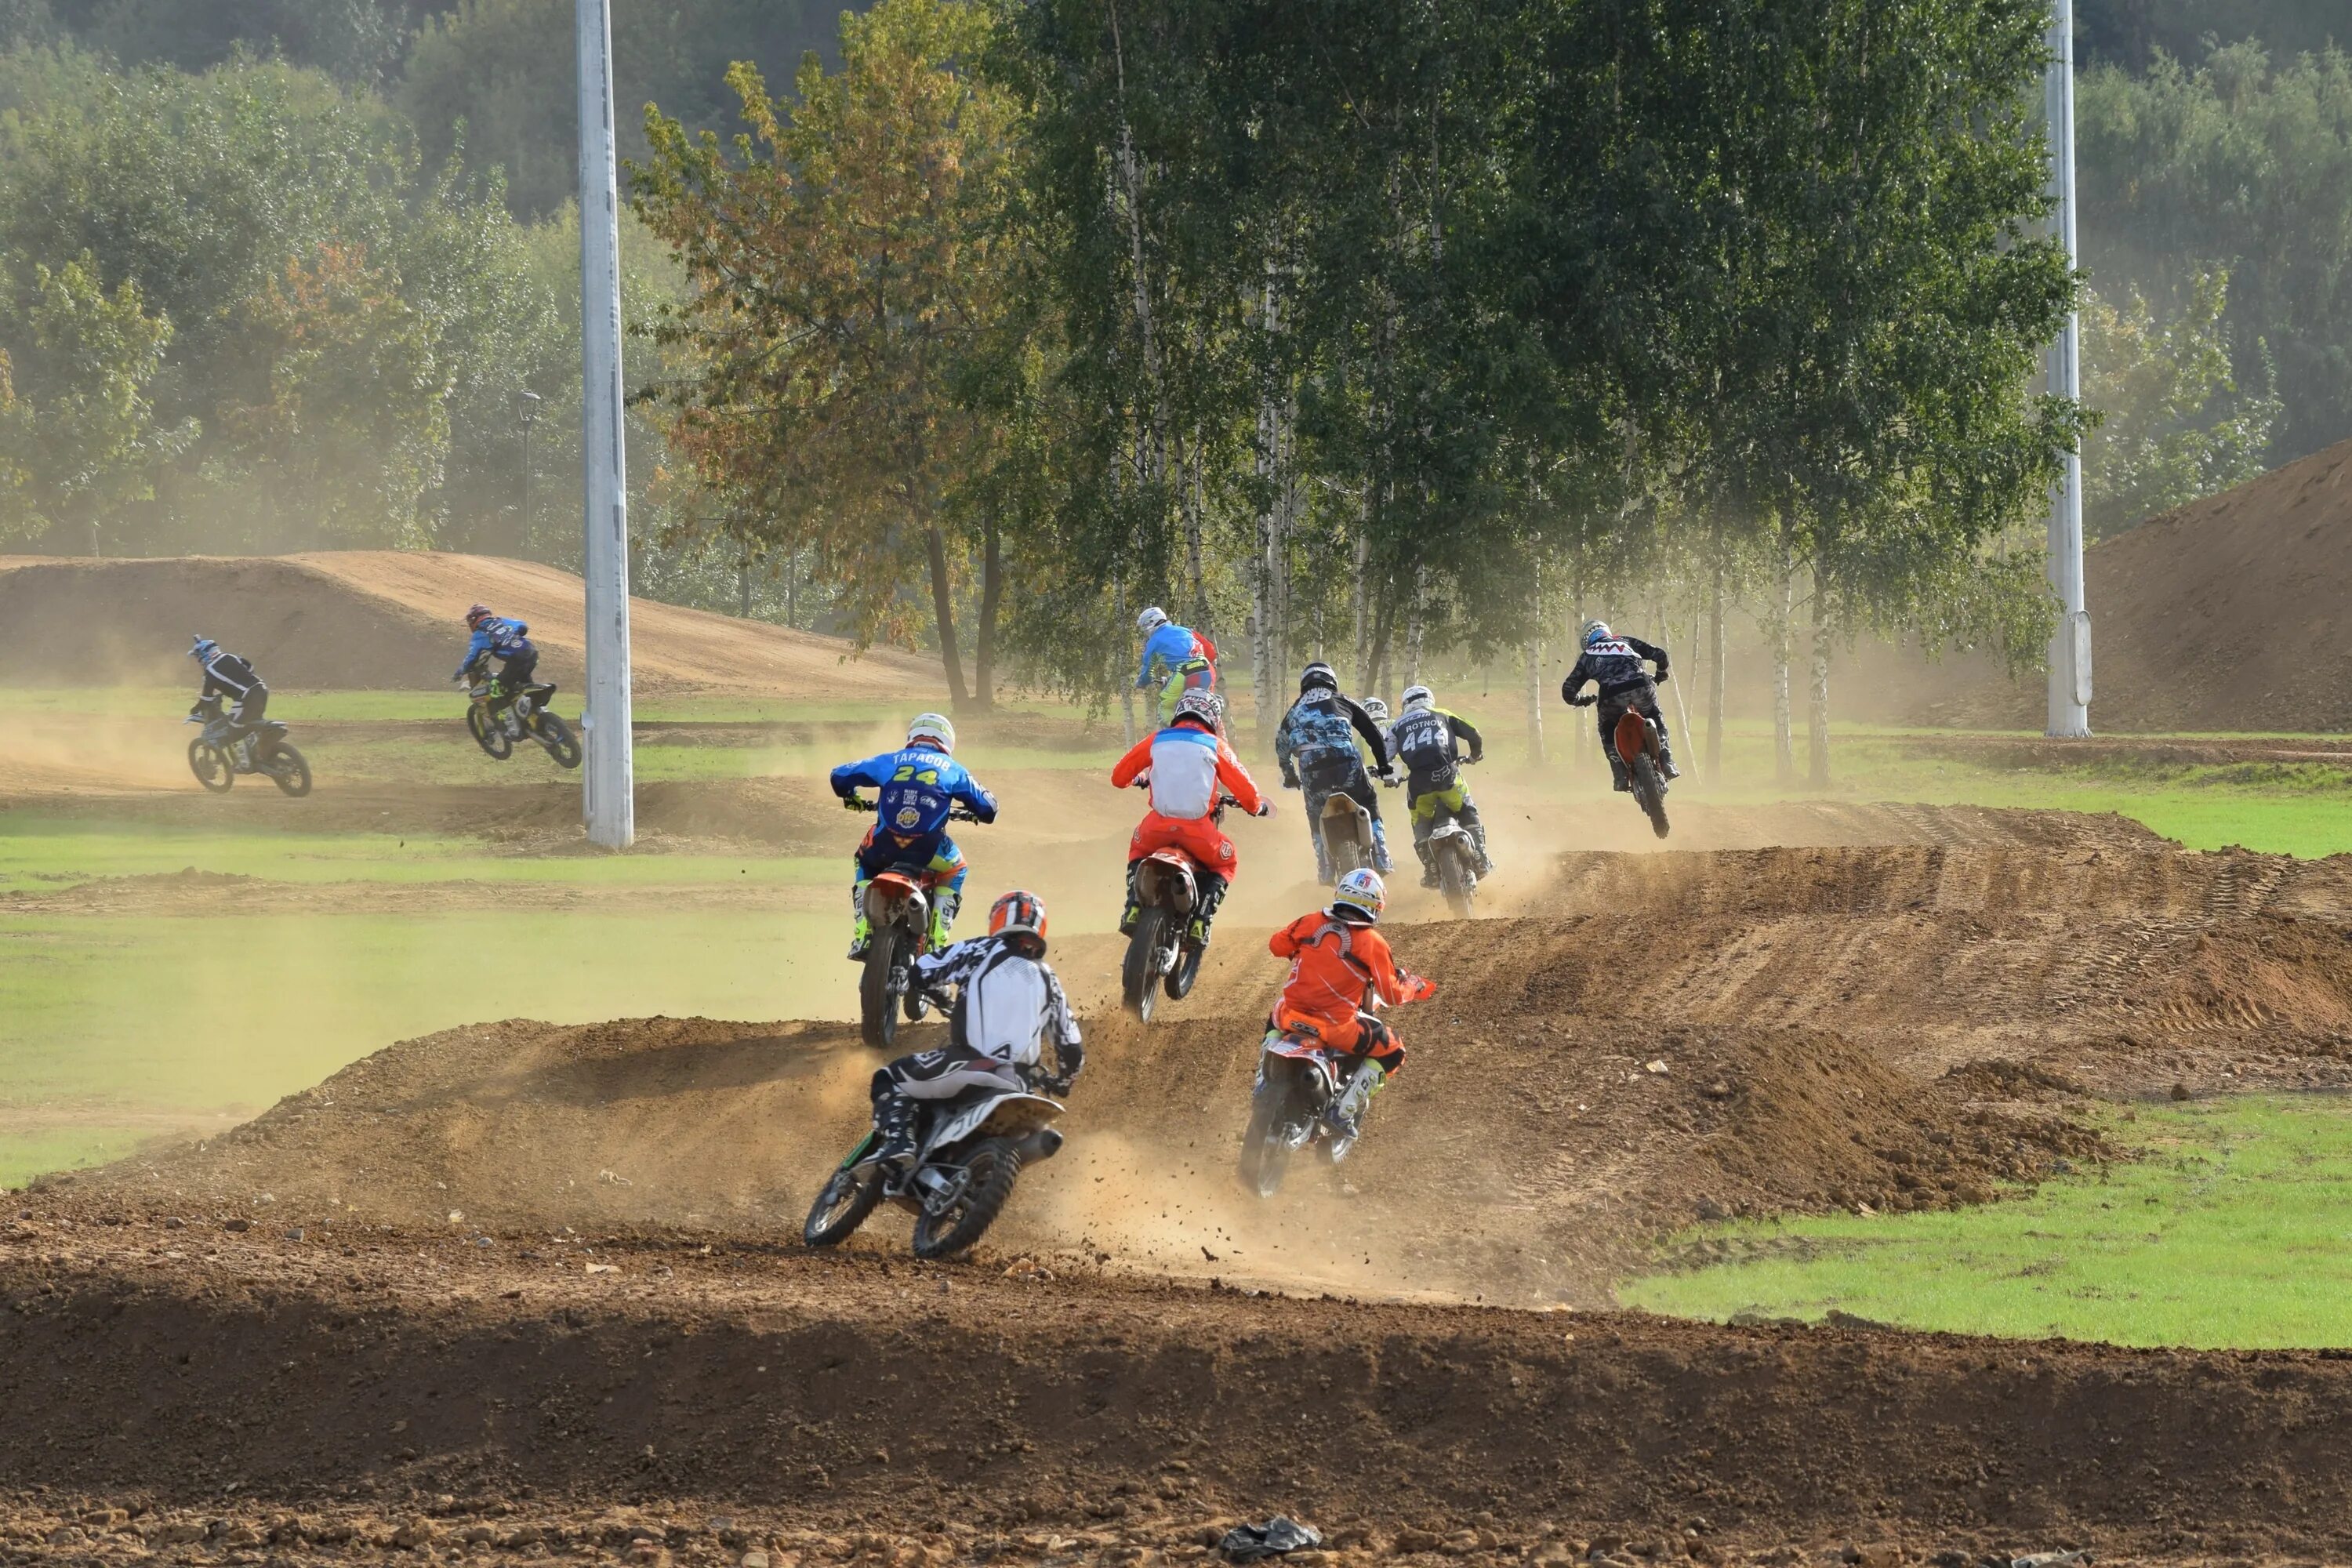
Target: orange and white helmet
(1018, 913)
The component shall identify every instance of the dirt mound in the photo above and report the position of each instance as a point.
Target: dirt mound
(379, 619)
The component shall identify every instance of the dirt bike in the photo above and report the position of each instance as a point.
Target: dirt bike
(1300, 1084)
(497, 722)
(1161, 953)
(1455, 855)
(898, 915)
(1635, 738)
(1347, 831)
(968, 1153)
(217, 755)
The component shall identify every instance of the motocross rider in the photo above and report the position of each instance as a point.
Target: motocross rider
(1424, 743)
(507, 640)
(1176, 659)
(1191, 769)
(1317, 748)
(227, 675)
(1613, 665)
(1338, 966)
(920, 784)
(1008, 1003)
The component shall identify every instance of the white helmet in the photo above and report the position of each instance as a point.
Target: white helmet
(1360, 895)
(1418, 696)
(1376, 710)
(1151, 620)
(932, 727)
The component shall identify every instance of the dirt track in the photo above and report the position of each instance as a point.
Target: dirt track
(616, 1333)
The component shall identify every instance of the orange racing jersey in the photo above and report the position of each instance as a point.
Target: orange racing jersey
(1337, 968)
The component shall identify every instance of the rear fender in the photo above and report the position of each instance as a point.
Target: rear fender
(1008, 1115)
(893, 893)
(1165, 878)
(1635, 736)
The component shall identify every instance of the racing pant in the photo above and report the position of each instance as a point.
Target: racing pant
(940, 1074)
(246, 717)
(1320, 785)
(515, 672)
(1614, 706)
(1427, 801)
(943, 871)
(1216, 863)
(1192, 675)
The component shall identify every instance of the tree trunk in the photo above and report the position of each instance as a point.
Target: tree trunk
(1363, 648)
(1817, 717)
(1715, 670)
(1534, 653)
(1196, 584)
(1414, 628)
(1126, 685)
(743, 585)
(992, 597)
(935, 546)
(1784, 758)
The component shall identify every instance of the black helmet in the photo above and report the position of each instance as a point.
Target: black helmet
(1317, 674)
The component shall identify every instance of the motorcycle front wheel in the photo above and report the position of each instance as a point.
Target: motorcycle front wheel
(841, 1206)
(557, 737)
(488, 735)
(889, 950)
(945, 1226)
(211, 766)
(288, 768)
(1139, 976)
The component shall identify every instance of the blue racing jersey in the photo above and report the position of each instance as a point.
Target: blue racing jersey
(919, 787)
(1168, 648)
(498, 636)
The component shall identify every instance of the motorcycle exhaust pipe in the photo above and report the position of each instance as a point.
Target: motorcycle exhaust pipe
(1043, 1144)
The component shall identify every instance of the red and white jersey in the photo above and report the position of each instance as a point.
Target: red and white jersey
(1190, 767)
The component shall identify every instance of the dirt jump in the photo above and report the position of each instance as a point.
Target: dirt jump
(368, 620)
(532, 1290)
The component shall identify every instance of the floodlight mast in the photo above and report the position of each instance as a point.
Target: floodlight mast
(2070, 645)
(610, 803)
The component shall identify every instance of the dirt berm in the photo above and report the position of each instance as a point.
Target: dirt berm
(541, 1286)
(365, 620)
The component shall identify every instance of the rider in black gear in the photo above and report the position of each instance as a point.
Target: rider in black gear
(230, 676)
(1316, 748)
(1613, 665)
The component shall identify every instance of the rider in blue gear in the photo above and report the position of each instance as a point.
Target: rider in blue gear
(1317, 748)
(920, 784)
(507, 640)
(1176, 659)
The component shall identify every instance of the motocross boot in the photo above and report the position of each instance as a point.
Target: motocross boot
(1380, 861)
(1347, 1115)
(1478, 842)
(1621, 780)
(1134, 910)
(1667, 769)
(945, 902)
(861, 930)
(894, 1119)
(1213, 893)
(1420, 848)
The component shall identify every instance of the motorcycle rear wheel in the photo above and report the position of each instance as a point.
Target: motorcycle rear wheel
(1456, 881)
(841, 1206)
(1650, 791)
(288, 768)
(1265, 1154)
(557, 737)
(942, 1230)
(882, 955)
(491, 737)
(212, 765)
(1139, 975)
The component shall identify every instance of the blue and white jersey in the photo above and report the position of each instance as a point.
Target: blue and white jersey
(919, 786)
(1168, 648)
(498, 636)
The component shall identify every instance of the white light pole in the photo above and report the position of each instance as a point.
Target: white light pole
(611, 806)
(2070, 646)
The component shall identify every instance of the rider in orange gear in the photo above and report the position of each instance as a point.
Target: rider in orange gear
(1192, 769)
(1338, 964)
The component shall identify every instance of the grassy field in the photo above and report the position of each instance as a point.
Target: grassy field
(2234, 1229)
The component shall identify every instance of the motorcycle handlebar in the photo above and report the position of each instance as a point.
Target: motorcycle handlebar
(858, 802)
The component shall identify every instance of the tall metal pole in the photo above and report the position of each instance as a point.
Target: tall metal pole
(611, 807)
(2070, 646)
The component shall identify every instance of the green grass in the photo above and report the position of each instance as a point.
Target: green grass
(2235, 1230)
(145, 1014)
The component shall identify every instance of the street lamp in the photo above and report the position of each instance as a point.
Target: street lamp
(527, 414)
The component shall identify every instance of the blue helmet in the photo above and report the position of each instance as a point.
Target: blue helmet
(203, 649)
(1595, 631)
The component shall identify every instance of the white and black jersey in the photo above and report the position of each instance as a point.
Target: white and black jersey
(1007, 1004)
(226, 675)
